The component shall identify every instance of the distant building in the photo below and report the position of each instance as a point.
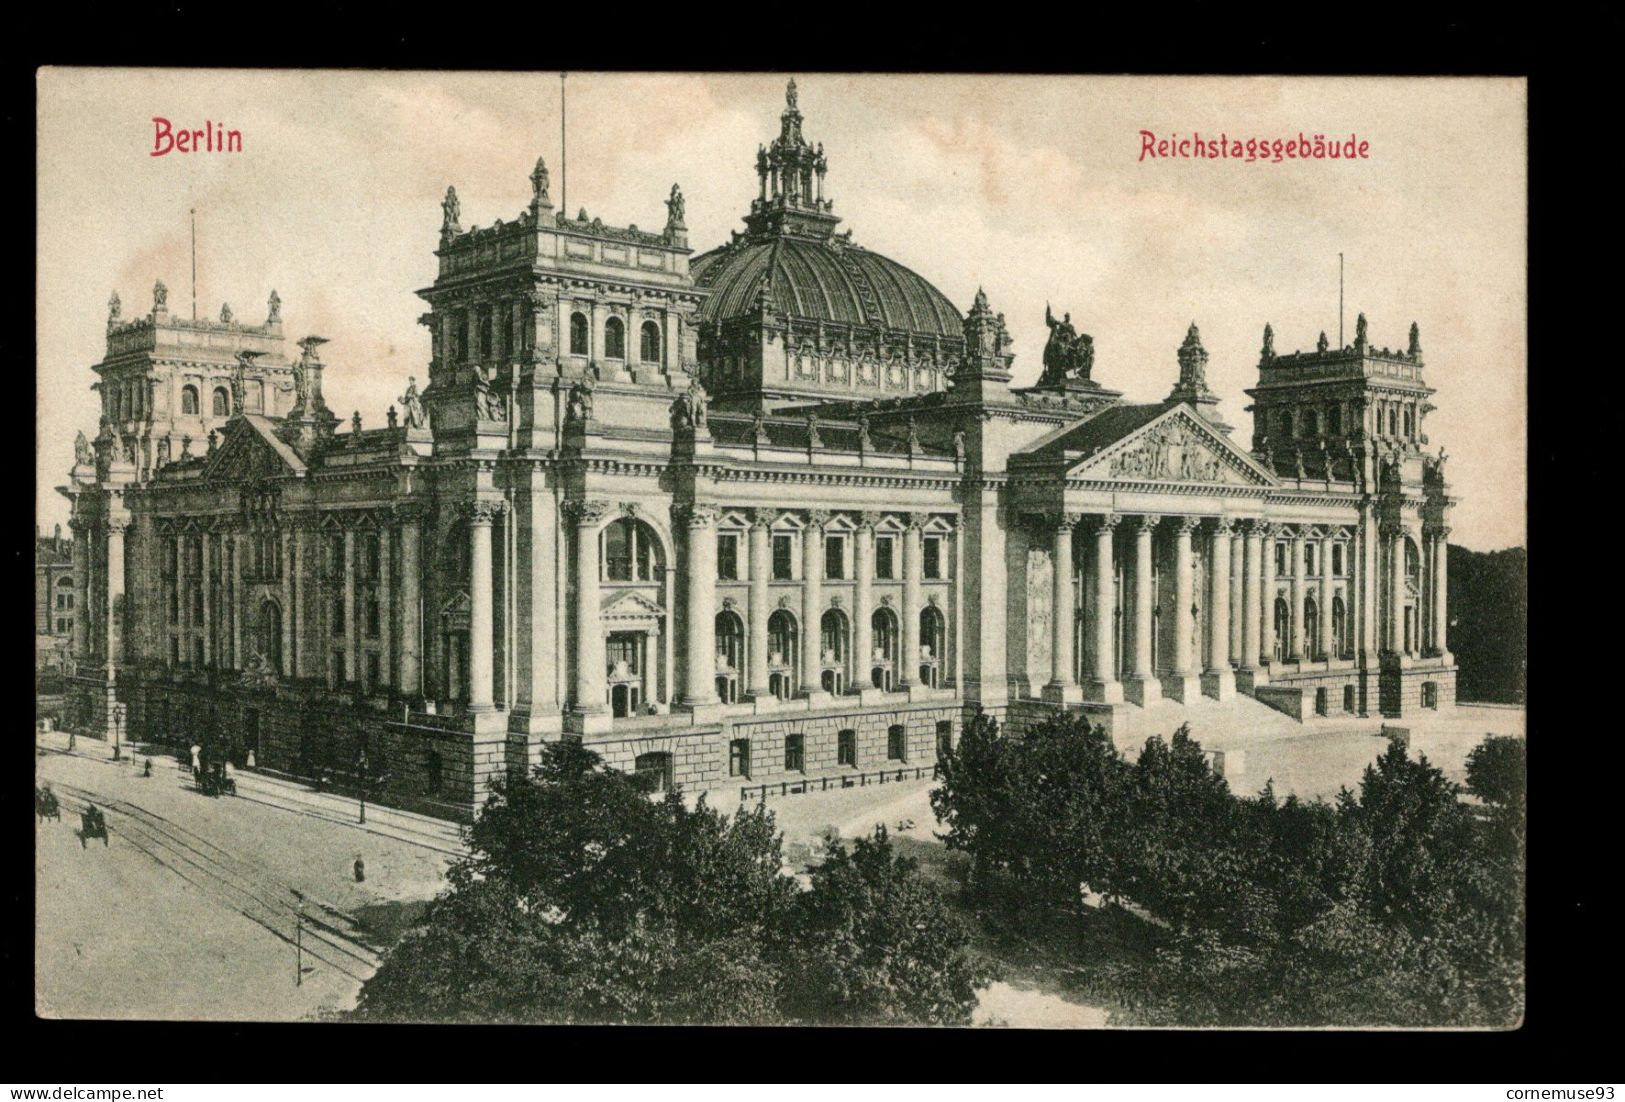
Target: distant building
(54, 601)
(772, 516)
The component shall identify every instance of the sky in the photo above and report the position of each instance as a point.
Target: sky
(1033, 188)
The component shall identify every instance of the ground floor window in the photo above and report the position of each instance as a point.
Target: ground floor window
(1430, 694)
(897, 742)
(1348, 698)
(656, 766)
(1322, 707)
(945, 737)
(434, 772)
(793, 755)
(846, 748)
(739, 758)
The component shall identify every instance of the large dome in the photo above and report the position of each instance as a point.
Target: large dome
(822, 280)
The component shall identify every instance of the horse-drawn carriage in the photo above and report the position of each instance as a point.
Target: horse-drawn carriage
(45, 804)
(92, 825)
(213, 780)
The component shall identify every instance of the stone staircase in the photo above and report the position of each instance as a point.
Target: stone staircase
(1217, 725)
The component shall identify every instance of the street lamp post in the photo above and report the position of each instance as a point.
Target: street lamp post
(361, 768)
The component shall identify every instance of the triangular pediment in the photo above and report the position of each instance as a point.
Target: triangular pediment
(250, 452)
(1178, 447)
(630, 605)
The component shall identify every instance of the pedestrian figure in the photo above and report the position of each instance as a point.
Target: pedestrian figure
(360, 869)
(250, 762)
(73, 740)
(146, 768)
(197, 760)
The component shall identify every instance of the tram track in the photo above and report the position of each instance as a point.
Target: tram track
(323, 930)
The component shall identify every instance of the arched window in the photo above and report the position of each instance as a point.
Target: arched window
(730, 655)
(189, 400)
(887, 640)
(783, 652)
(1339, 627)
(630, 551)
(614, 339)
(649, 343)
(222, 402)
(1283, 627)
(1286, 423)
(833, 634)
(657, 768)
(1311, 626)
(578, 334)
(1311, 425)
(933, 638)
(270, 635)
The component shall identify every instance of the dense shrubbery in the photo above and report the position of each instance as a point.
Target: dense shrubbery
(585, 900)
(1488, 630)
(1398, 905)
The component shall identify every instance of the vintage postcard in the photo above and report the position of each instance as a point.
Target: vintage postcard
(769, 548)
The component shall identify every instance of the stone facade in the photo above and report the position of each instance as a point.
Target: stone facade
(565, 533)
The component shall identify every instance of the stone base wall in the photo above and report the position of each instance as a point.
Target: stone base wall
(1348, 693)
(1404, 691)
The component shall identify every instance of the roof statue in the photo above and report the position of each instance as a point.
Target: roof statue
(1068, 354)
(675, 209)
(538, 185)
(275, 313)
(1359, 332)
(83, 456)
(226, 316)
(114, 307)
(1321, 345)
(1415, 349)
(412, 404)
(1268, 351)
(451, 214)
(160, 296)
(245, 361)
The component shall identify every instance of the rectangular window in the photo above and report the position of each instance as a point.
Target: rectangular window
(782, 558)
(372, 672)
(846, 748)
(792, 754)
(728, 558)
(1337, 558)
(834, 557)
(739, 758)
(883, 558)
(338, 667)
(897, 742)
(338, 614)
(932, 547)
(945, 737)
(1311, 558)
(1281, 559)
(372, 617)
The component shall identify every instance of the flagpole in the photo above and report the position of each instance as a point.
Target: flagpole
(194, 263)
(564, 153)
(1340, 300)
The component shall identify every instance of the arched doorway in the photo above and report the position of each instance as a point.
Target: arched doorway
(887, 641)
(783, 654)
(1340, 625)
(1412, 595)
(1283, 628)
(730, 631)
(933, 643)
(1311, 626)
(834, 635)
(268, 634)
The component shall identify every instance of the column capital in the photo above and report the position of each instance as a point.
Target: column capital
(817, 518)
(484, 512)
(1223, 526)
(1067, 520)
(1106, 522)
(763, 518)
(585, 514)
(1298, 532)
(1439, 531)
(118, 525)
(1187, 524)
(408, 512)
(1266, 529)
(1147, 522)
(694, 514)
(918, 520)
(868, 518)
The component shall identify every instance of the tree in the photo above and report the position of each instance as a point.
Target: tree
(1497, 771)
(871, 943)
(585, 899)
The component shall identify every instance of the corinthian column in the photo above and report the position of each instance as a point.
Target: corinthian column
(287, 669)
(1266, 596)
(1063, 685)
(1104, 686)
(1324, 624)
(481, 516)
(863, 608)
(81, 593)
(812, 599)
(589, 638)
(1441, 587)
(1183, 685)
(116, 527)
(1252, 610)
(235, 541)
(913, 566)
(1142, 686)
(1219, 680)
(209, 542)
(1396, 590)
(700, 612)
(1300, 590)
(761, 527)
(352, 637)
(411, 612)
(1238, 599)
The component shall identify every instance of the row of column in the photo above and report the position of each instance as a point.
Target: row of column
(1240, 580)
(700, 603)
